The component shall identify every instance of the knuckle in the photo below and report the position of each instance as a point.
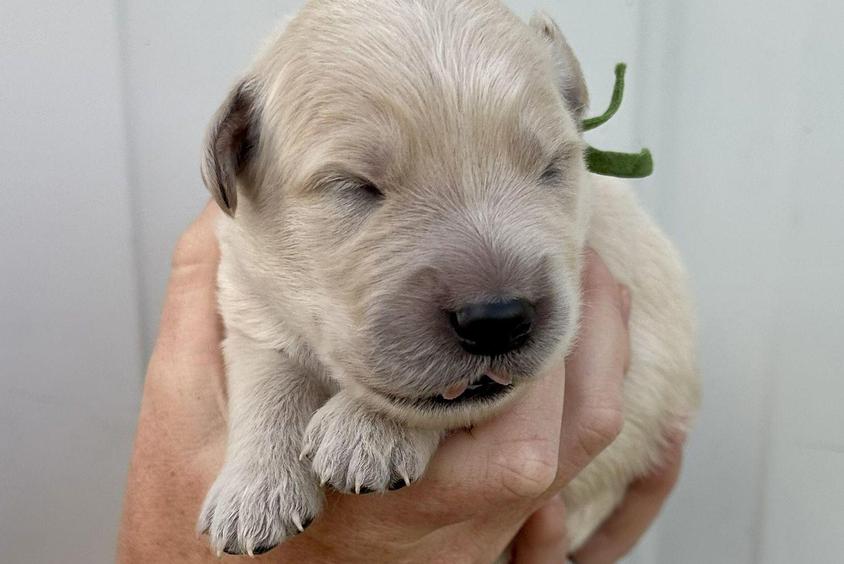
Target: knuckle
(197, 245)
(597, 275)
(600, 429)
(525, 475)
(185, 252)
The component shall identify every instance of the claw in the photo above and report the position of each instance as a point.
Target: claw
(298, 522)
(455, 391)
(500, 377)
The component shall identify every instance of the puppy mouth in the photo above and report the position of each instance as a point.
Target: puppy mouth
(487, 387)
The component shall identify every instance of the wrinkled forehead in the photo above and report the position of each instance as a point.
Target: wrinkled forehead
(421, 88)
(386, 138)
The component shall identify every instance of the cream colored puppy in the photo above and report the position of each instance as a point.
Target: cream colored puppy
(409, 208)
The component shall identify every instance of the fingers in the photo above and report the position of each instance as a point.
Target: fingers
(180, 438)
(189, 315)
(198, 244)
(642, 503)
(543, 538)
(509, 459)
(187, 362)
(481, 484)
(593, 413)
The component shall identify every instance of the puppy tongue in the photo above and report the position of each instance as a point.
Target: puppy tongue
(455, 391)
(503, 379)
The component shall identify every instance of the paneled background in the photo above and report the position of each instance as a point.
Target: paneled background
(103, 104)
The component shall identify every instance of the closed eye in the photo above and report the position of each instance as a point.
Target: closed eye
(552, 174)
(371, 190)
(350, 185)
(562, 160)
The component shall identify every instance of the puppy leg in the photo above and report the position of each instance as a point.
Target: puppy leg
(357, 449)
(263, 493)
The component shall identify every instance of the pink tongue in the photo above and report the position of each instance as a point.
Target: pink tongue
(503, 379)
(455, 391)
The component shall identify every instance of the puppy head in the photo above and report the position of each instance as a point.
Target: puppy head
(408, 175)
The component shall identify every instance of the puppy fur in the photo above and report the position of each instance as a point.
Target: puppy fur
(383, 162)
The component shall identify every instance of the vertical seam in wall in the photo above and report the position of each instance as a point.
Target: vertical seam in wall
(641, 55)
(657, 97)
(779, 341)
(767, 424)
(644, 124)
(658, 47)
(645, 119)
(131, 178)
(762, 471)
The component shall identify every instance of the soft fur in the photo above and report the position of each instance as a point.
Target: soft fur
(383, 162)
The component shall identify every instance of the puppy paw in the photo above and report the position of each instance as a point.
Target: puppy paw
(356, 450)
(250, 509)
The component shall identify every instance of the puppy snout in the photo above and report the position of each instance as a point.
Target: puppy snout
(494, 328)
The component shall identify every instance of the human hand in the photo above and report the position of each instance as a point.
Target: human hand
(477, 492)
(543, 538)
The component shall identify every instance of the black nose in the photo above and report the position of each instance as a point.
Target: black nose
(494, 328)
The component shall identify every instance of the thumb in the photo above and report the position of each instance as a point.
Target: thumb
(543, 538)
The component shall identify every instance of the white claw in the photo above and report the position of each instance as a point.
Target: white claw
(306, 451)
(298, 522)
(503, 379)
(406, 478)
(455, 391)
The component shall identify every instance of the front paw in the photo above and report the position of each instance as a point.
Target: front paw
(251, 508)
(354, 449)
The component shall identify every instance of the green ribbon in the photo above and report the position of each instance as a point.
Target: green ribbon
(609, 163)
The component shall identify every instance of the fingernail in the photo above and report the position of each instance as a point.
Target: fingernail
(625, 303)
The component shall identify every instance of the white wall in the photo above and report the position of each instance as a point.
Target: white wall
(751, 196)
(70, 344)
(102, 109)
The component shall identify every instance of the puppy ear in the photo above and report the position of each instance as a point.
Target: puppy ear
(230, 143)
(569, 76)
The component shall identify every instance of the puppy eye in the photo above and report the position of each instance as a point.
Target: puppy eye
(371, 190)
(551, 175)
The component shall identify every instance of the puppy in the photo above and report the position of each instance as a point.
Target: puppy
(408, 211)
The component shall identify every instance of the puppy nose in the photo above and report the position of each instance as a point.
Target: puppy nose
(493, 328)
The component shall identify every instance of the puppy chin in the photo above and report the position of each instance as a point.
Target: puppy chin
(426, 414)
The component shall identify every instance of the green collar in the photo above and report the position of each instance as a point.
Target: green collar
(609, 163)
